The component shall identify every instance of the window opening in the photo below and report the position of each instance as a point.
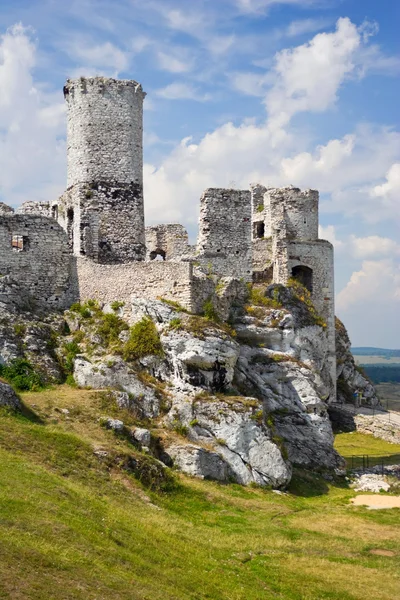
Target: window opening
(17, 243)
(259, 229)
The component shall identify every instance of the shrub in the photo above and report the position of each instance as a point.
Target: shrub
(143, 340)
(70, 352)
(175, 324)
(173, 304)
(303, 294)
(209, 311)
(20, 329)
(22, 375)
(116, 305)
(110, 327)
(257, 298)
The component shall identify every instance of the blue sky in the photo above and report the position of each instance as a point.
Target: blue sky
(301, 92)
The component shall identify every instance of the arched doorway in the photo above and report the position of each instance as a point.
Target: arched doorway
(157, 254)
(304, 275)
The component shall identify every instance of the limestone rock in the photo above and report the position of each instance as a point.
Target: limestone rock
(8, 397)
(197, 461)
(114, 424)
(115, 373)
(231, 428)
(143, 436)
(349, 378)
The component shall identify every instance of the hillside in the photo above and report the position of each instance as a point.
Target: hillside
(74, 525)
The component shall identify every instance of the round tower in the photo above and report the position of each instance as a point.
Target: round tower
(104, 130)
(102, 209)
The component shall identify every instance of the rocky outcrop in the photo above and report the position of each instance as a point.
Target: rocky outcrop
(350, 378)
(8, 397)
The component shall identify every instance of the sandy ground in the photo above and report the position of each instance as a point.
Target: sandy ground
(376, 501)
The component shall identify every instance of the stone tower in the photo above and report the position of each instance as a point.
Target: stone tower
(102, 208)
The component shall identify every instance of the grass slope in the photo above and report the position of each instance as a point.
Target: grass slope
(72, 527)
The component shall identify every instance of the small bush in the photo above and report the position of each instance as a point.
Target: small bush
(110, 327)
(173, 304)
(209, 311)
(180, 428)
(70, 352)
(175, 324)
(22, 375)
(144, 340)
(257, 298)
(116, 305)
(20, 329)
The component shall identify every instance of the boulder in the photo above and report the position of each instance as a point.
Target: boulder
(8, 397)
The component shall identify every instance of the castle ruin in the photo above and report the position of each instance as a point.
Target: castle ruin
(92, 241)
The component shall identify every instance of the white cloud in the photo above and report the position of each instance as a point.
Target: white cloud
(260, 6)
(170, 63)
(389, 192)
(32, 155)
(378, 281)
(181, 91)
(329, 233)
(98, 58)
(303, 26)
(373, 246)
(308, 77)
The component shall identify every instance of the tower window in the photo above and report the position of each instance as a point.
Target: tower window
(259, 229)
(19, 243)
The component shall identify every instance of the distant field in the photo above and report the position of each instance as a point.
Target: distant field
(376, 360)
(371, 351)
(389, 394)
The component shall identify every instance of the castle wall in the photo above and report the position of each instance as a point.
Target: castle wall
(43, 209)
(34, 261)
(300, 211)
(224, 241)
(171, 239)
(149, 280)
(318, 256)
(261, 212)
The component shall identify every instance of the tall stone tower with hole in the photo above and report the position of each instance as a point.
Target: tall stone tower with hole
(102, 209)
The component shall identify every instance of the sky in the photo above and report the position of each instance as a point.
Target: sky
(301, 92)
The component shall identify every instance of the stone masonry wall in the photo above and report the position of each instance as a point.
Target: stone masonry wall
(224, 241)
(171, 239)
(140, 279)
(318, 256)
(38, 267)
(261, 212)
(300, 211)
(104, 221)
(104, 130)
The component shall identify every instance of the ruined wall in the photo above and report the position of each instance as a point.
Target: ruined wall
(171, 241)
(300, 211)
(35, 261)
(44, 209)
(224, 241)
(261, 212)
(102, 209)
(151, 280)
(318, 256)
(104, 222)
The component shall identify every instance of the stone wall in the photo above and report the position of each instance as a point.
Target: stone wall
(151, 280)
(104, 130)
(104, 222)
(44, 209)
(261, 212)
(300, 211)
(170, 241)
(318, 256)
(224, 241)
(34, 261)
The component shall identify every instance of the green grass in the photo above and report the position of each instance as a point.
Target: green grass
(74, 527)
(348, 444)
